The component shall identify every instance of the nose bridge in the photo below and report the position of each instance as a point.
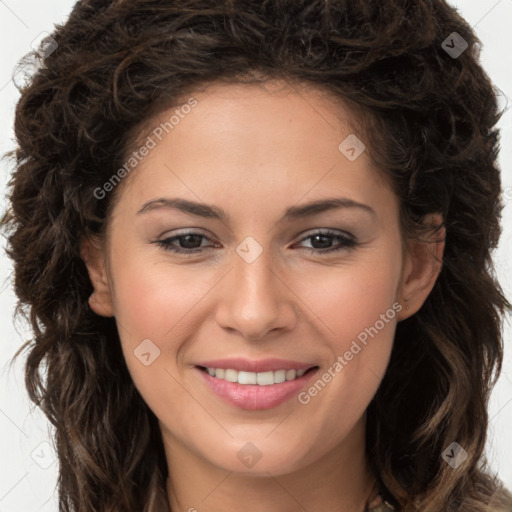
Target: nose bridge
(255, 271)
(254, 300)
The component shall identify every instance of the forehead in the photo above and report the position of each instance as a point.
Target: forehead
(255, 138)
(307, 106)
(293, 108)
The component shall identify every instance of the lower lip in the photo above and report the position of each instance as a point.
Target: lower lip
(253, 397)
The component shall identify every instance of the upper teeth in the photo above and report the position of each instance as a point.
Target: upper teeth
(262, 378)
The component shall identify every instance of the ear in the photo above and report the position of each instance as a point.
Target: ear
(423, 262)
(94, 258)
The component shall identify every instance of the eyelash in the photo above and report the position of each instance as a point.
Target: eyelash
(346, 242)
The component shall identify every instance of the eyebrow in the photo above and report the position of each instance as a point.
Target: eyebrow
(214, 212)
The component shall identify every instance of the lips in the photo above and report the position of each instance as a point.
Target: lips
(255, 385)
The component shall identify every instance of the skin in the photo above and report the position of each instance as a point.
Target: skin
(255, 151)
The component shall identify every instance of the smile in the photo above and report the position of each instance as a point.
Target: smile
(260, 379)
(268, 385)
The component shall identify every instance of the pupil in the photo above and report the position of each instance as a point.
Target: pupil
(187, 237)
(325, 238)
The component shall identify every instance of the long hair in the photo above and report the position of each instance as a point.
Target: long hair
(428, 111)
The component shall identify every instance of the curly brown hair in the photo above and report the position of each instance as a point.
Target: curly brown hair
(433, 119)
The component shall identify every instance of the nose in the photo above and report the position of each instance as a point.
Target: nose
(254, 299)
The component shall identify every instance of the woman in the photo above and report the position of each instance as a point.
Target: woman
(173, 161)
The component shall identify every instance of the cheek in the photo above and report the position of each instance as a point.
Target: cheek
(154, 301)
(154, 304)
(357, 307)
(153, 298)
(349, 299)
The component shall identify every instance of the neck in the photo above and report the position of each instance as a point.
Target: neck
(339, 480)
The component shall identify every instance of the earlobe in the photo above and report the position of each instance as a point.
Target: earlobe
(422, 266)
(93, 256)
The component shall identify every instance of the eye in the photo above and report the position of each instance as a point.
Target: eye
(190, 242)
(322, 241)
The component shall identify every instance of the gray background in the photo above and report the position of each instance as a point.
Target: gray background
(28, 469)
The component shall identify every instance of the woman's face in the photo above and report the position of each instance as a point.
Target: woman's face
(266, 284)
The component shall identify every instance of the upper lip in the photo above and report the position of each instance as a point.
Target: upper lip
(263, 365)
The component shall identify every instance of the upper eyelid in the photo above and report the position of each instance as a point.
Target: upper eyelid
(190, 231)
